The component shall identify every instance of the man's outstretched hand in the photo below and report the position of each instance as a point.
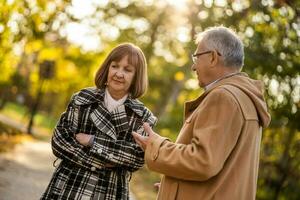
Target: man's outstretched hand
(144, 140)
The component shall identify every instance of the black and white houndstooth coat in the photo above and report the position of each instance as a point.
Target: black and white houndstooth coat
(82, 174)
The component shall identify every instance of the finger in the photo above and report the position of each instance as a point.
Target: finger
(136, 135)
(139, 143)
(156, 184)
(147, 128)
(138, 138)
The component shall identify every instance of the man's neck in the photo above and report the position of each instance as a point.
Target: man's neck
(220, 76)
(224, 72)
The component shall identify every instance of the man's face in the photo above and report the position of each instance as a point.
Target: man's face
(201, 64)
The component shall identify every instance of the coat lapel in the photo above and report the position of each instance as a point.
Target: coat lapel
(120, 119)
(135, 105)
(190, 106)
(102, 119)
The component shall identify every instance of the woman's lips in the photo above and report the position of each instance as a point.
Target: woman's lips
(120, 82)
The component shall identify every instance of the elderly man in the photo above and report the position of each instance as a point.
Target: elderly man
(216, 154)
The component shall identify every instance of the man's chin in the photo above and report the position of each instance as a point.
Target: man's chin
(201, 84)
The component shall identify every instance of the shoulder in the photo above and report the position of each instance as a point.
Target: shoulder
(221, 96)
(87, 96)
(140, 109)
(137, 106)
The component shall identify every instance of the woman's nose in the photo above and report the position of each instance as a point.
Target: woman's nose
(119, 74)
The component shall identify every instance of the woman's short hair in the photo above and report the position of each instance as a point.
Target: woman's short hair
(136, 58)
(226, 42)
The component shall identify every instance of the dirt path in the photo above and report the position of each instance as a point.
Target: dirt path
(26, 171)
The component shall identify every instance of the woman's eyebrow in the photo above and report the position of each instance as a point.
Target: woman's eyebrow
(116, 63)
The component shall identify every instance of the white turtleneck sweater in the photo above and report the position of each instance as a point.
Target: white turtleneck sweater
(111, 103)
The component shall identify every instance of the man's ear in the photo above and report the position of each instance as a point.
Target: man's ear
(214, 58)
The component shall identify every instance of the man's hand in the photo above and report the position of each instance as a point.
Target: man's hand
(156, 186)
(83, 138)
(144, 140)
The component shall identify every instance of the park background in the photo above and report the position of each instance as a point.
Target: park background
(50, 49)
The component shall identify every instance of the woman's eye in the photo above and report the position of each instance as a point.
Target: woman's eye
(113, 66)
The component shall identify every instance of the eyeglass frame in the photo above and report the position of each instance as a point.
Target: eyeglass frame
(196, 55)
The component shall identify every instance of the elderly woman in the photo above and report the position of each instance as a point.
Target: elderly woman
(93, 136)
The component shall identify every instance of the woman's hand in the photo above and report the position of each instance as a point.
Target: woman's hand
(83, 138)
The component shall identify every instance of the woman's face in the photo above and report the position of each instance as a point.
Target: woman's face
(120, 77)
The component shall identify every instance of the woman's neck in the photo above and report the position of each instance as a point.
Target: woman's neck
(116, 95)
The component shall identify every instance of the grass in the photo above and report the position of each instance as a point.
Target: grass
(42, 121)
(21, 114)
(10, 136)
(142, 182)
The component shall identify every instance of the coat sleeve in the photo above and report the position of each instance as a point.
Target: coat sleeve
(216, 126)
(65, 146)
(121, 153)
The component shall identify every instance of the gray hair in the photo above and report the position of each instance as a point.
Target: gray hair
(226, 42)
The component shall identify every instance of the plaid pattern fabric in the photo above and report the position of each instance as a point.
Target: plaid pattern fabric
(82, 173)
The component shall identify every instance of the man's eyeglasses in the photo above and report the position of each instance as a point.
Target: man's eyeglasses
(196, 55)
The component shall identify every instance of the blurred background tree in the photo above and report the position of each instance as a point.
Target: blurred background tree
(77, 35)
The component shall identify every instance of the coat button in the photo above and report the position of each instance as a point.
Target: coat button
(99, 151)
(93, 168)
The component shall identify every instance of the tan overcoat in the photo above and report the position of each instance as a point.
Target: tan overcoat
(216, 154)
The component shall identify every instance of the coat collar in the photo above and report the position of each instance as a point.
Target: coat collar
(92, 95)
(101, 117)
(190, 106)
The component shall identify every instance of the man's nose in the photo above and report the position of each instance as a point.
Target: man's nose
(193, 67)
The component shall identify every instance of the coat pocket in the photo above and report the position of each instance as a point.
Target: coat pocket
(60, 179)
(173, 191)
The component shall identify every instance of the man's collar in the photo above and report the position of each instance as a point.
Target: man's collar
(191, 105)
(208, 86)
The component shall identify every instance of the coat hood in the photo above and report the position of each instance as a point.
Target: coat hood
(254, 89)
